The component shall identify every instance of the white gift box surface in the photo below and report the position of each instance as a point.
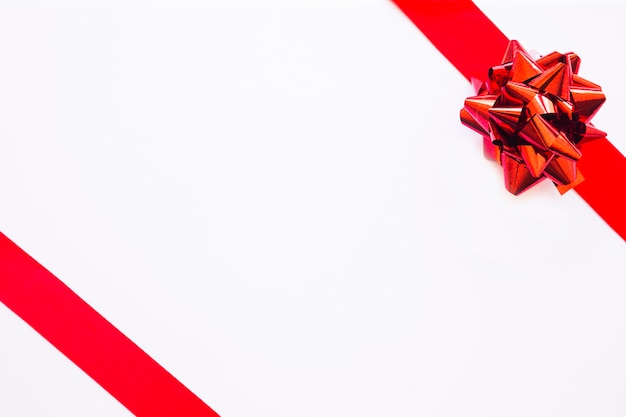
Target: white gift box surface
(276, 200)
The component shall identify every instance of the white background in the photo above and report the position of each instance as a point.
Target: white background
(276, 200)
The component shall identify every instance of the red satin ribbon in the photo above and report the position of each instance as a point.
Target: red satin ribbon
(604, 187)
(90, 341)
(473, 44)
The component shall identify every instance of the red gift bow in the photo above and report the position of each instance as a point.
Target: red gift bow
(533, 115)
(473, 44)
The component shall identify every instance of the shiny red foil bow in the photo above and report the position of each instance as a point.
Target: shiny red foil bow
(532, 115)
(473, 44)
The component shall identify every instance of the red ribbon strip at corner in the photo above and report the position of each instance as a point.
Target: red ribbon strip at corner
(473, 44)
(461, 32)
(604, 187)
(124, 370)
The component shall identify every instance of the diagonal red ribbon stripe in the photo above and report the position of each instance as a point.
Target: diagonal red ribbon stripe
(90, 341)
(604, 187)
(473, 44)
(461, 32)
